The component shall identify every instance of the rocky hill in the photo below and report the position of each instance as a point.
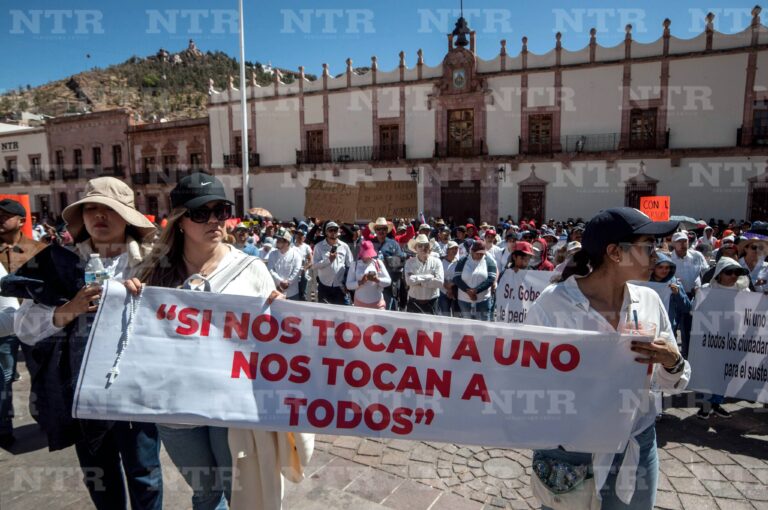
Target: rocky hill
(169, 85)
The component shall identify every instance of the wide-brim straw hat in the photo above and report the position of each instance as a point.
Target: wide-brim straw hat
(114, 194)
(750, 237)
(380, 222)
(419, 239)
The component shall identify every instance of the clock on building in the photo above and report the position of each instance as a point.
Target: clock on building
(459, 78)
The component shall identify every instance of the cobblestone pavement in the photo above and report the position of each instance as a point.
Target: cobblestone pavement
(717, 464)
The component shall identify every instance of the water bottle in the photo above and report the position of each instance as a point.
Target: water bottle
(94, 270)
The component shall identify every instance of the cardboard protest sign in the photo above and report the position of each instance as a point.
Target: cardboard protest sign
(516, 292)
(331, 201)
(391, 199)
(729, 344)
(201, 358)
(657, 208)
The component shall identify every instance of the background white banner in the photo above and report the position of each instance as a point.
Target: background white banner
(662, 289)
(729, 344)
(516, 292)
(198, 358)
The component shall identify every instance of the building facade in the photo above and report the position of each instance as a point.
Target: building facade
(556, 135)
(160, 153)
(24, 160)
(84, 146)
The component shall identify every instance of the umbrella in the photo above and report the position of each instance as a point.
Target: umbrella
(260, 211)
(685, 221)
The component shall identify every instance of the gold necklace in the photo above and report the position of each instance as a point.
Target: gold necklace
(211, 265)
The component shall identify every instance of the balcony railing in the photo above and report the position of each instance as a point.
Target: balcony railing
(347, 154)
(646, 142)
(236, 159)
(759, 137)
(447, 150)
(591, 143)
(9, 176)
(159, 176)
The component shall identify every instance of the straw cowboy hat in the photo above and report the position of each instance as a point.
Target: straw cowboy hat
(380, 222)
(420, 239)
(749, 238)
(116, 195)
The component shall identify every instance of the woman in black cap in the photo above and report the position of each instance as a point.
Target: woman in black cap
(594, 295)
(191, 254)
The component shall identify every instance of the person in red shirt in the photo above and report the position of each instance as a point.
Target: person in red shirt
(541, 261)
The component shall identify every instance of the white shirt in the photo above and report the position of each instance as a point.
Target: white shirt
(331, 274)
(263, 253)
(563, 305)
(305, 251)
(369, 292)
(424, 279)
(689, 269)
(495, 252)
(760, 272)
(286, 267)
(475, 272)
(440, 248)
(449, 271)
(8, 307)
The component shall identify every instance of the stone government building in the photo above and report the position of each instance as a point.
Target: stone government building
(556, 135)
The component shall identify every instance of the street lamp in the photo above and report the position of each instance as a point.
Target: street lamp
(414, 173)
(501, 174)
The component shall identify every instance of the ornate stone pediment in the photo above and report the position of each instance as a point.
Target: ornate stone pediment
(460, 74)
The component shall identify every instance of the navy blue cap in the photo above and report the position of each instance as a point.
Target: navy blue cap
(12, 207)
(620, 224)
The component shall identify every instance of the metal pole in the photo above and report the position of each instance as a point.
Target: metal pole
(244, 108)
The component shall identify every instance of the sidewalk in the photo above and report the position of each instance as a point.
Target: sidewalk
(718, 464)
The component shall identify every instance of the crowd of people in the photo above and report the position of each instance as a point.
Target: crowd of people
(429, 266)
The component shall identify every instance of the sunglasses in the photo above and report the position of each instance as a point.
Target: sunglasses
(381, 229)
(221, 212)
(731, 272)
(332, 230)
(756, 247)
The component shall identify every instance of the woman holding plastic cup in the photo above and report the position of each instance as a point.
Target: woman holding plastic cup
(594, 295)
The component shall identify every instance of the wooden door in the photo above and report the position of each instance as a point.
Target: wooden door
(540, 134)
(461, 132)
(315, 146)
(758, 201)
(532, 204)
(642, 129)
(460, 200)
(389, 140)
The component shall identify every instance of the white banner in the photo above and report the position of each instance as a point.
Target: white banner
(516, 292)
(662, 289)
(729, 344)
(199, 358)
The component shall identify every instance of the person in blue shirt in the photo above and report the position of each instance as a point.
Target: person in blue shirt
(392, 255)
(664, 272)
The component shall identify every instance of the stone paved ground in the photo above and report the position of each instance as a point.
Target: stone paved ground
(719, 464)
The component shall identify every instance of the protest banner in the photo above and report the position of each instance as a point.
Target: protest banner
(391, 199)
(656, 208)
(662, 289)
(516, 292)
(213, 359)
(729, 344)
(330, 201)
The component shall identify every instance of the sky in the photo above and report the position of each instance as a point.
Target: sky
(45, 40)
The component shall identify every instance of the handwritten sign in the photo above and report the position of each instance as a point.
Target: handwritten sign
(390, 199)
(657, 208)
(331, 201)
(214, 359)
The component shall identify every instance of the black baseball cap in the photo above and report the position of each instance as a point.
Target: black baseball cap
(12, 207)
(618, 225)
(198, 189)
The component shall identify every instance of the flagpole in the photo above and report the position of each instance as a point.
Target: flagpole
(244, 108)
